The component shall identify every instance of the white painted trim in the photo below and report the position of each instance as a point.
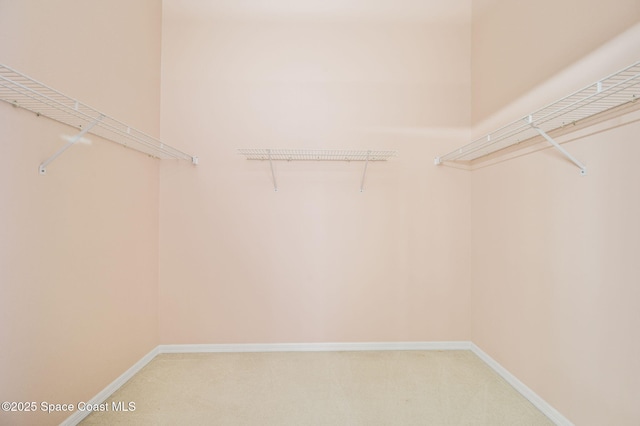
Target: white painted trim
(546, 408)
(316, 347)
(78, 416)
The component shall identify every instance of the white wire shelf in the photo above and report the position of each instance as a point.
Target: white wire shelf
(25, 92)
(605, 95)
(316, 155)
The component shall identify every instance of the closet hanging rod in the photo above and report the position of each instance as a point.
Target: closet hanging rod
(24, 92)
(608, 94)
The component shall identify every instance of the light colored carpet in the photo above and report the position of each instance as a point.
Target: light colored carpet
(320, 388)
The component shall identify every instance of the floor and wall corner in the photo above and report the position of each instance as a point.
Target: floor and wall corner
(114, 257)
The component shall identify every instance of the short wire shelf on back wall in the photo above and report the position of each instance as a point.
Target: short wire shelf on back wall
(22, 91)
(271, 155)
(608, 94)
(316, 154)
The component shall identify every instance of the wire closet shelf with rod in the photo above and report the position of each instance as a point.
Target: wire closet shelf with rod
(611, 96)
(271, 155)
(24, 92)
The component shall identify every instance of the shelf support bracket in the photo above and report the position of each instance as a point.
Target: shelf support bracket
(273, 175)
(42, 169)
(583, 168)
(366, 163)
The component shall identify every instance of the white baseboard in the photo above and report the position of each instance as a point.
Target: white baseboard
(548, 410)
(316, 347)
(553, 414)
(78, 416)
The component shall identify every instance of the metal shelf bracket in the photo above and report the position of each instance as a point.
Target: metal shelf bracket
(42, 169)
(273, 175)
(556, 145)
(366, 163)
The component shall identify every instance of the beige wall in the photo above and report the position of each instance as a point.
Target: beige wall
(517, 45)
(555, 275)
(78, 247)
(554, 254)
(317, 261)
